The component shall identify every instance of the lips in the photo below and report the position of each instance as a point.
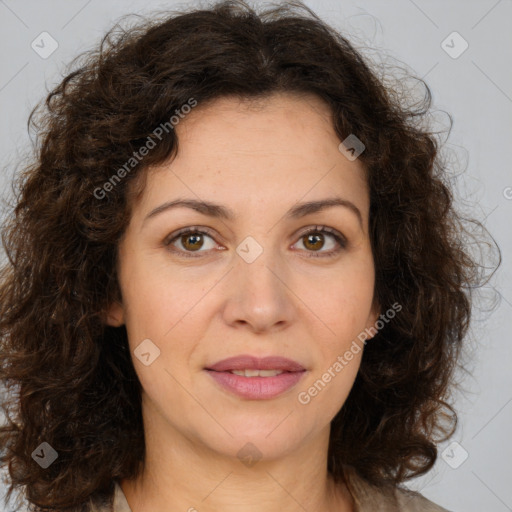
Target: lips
(247, 362)
(278, 374)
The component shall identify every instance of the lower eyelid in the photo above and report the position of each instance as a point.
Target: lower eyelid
(170, 242)
(339, 239)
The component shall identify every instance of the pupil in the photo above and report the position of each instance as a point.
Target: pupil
(310, 241)
(310, 237)
(191, 237)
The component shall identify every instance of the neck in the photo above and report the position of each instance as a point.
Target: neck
(181, 473)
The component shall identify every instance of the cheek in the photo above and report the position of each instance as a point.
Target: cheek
(324, 393)
(172, 311)
(343, 305)
(165, 315)
(343, 302)
(156, 301)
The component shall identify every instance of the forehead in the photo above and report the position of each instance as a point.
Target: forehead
(275, 122)
(245, 153)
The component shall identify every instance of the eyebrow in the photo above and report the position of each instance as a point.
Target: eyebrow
(219, 211)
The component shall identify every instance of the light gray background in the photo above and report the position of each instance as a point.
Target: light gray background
(476, 88)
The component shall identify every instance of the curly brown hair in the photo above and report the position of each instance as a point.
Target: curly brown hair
(69, 376)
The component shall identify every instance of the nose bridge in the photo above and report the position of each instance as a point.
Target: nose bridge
(258, 267)
(258, 294)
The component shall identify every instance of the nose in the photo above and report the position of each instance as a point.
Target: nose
(258, 295)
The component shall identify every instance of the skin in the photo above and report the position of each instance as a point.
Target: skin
(259, 159)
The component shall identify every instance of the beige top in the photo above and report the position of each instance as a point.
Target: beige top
(367, 499)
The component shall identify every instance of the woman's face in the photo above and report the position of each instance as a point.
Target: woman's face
(256, 284)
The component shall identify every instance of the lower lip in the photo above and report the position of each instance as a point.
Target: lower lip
(257, 388)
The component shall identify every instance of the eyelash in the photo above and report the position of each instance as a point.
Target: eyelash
(206, 231)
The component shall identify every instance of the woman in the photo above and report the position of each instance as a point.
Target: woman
(235, 278)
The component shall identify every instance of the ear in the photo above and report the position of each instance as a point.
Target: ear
(114, 316)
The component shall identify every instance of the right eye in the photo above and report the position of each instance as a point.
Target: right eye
(191, 240)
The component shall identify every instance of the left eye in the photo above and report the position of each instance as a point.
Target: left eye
(192, 239)
(317, 235)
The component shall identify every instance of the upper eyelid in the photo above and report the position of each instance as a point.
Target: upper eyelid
(210, 232)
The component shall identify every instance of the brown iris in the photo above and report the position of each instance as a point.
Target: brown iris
(194, 241)
(312, 241)
(197, 242)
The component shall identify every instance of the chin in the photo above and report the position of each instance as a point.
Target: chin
(251, 443)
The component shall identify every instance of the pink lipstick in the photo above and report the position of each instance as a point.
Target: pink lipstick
(254, 378)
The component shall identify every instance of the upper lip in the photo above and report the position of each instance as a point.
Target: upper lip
(247, 362)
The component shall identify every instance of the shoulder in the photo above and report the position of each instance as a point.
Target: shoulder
(120, 504)
(368, 498)
(412, 501)
(115, 503)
